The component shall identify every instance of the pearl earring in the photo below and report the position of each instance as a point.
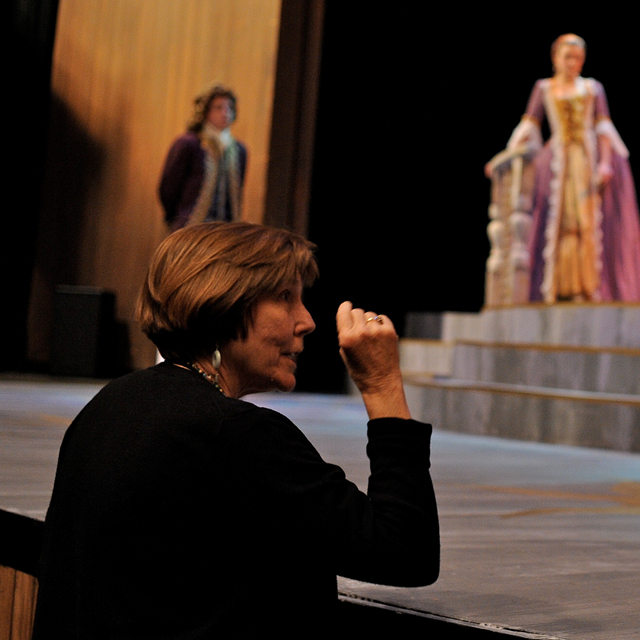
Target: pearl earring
(216, 359)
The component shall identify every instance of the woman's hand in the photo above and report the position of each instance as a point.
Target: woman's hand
(604, 173)
(369, 348)
(604, 170)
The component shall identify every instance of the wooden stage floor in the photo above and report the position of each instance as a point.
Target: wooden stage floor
(538, 541)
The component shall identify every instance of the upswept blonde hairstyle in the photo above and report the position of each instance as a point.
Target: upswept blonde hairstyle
(204, 281)
(567, 38)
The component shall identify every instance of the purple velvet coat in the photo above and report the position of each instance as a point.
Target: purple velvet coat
(182, 178)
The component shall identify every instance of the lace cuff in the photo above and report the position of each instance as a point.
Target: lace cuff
(606, 128)
(527, 131)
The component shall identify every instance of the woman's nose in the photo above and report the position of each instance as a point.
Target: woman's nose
(305, 323)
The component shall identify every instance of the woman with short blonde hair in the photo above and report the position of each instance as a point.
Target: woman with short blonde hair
(181, 511)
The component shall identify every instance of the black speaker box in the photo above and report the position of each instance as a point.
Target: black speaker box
(83, 332)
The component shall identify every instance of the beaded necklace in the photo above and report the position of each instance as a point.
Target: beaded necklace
(207, 376)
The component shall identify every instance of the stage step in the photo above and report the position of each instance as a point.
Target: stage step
(586, 325)
(611, 370)
(523, 412)
(567, 374)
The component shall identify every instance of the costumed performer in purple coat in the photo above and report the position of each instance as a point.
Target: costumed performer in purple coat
(204, 171)
(585, 237)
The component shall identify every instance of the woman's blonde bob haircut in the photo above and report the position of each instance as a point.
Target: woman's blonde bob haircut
(204, 281)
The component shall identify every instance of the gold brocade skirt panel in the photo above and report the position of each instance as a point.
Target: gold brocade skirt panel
(576, 273)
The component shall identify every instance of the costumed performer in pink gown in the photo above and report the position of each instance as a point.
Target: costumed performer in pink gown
(585, 237)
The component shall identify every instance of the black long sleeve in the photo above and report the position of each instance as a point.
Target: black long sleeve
(180, 512)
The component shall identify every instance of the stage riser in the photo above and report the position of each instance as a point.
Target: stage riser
(541, 419)
(557, 369)
(536, 372)
(607, 325)
(427, 356)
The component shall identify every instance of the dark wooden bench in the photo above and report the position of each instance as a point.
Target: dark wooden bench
(20, 544)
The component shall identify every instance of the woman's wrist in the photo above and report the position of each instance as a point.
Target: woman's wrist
(387, 402)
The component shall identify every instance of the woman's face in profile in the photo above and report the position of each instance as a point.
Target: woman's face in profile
(267, 359)
(568, 61)
(221, 114)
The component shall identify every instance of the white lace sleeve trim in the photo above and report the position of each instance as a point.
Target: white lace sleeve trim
(606, 128)
(527, 131)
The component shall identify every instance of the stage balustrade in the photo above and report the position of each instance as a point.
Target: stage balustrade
(508, 264)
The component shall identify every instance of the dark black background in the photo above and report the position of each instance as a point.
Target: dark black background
(410, 110)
